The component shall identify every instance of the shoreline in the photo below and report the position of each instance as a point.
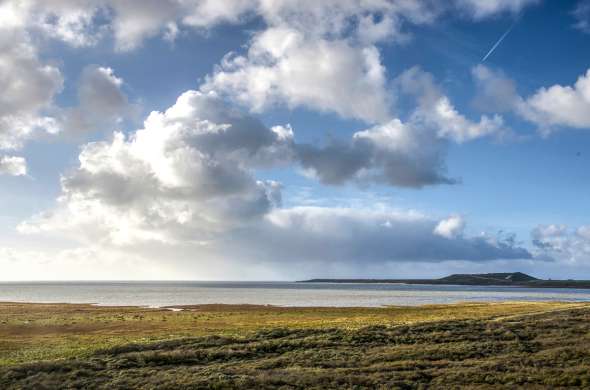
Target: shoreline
(253, 306)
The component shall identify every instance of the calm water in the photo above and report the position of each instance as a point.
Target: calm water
(155, 294)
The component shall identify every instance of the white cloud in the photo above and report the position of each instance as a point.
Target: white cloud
(454, 125)
(13, 166)
(451, 227)
(480, 9)
(28, 87)
(186, 175)
(207, 13)
(550, 108)
(406, 154)
(284, 66)
(134, 21)
(320, 55)
(85, 22)
(581, 14)
(436, 111)
(560, 105)
(73, 22)
(565, 245)
(184, 187)
(365, 21)
(27, 84)
(299, 59)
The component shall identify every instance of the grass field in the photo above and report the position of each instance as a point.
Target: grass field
(221, 346)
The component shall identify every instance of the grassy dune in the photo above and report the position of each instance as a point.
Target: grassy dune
(542, 344)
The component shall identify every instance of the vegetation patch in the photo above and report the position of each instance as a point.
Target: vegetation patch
(479, 345)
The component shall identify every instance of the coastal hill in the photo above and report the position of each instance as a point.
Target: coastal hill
(495, 278)
(516, 279)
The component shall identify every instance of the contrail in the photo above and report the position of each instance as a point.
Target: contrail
(499, 41)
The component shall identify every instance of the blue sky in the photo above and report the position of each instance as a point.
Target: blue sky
(370, 178)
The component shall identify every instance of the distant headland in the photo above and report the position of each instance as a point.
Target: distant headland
(515, 279)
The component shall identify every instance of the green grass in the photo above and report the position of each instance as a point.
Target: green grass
(483, 345)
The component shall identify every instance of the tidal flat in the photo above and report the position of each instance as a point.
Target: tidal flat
(536, 344)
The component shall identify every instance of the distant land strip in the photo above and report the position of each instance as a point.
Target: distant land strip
(511, 279)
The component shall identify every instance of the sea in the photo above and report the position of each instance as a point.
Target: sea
(163, 294)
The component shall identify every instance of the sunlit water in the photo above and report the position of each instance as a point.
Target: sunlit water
(157, 294)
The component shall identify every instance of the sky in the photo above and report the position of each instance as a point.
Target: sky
(284, 140)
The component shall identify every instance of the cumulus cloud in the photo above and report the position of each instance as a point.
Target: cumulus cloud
(82, 23)
(362, 19)
(451, 227)
(436, 111)
(78, 23)
(549, 107)
(298, 59)
(285, 66)
(185, 175)
(394, 153)
(28, 87)
(306, 51)
(185, 184)
(85, 22)
(27, 84)
(398, 153)
(207, 13)
(568, 246)
(101, 102)
(13, 166)
(134, 21)
(406, 154)
(560, 105)
(480, 9)
(27, 107)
